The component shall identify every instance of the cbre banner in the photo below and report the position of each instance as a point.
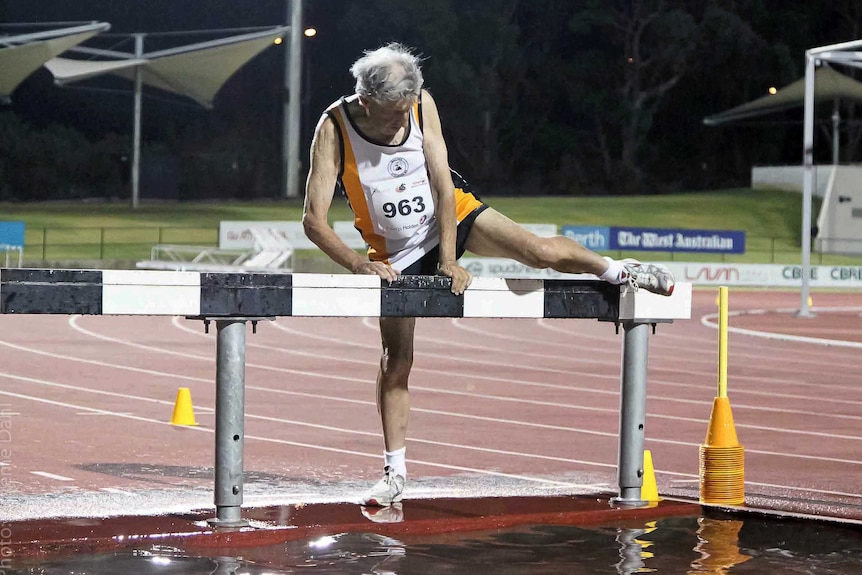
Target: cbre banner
(658, 239)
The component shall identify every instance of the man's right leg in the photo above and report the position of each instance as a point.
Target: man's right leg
(393, 398)
(393, 404)
(495, 235)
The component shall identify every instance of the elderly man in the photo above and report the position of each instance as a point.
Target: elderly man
(384, 147)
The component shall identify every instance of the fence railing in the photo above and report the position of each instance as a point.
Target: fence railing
(109, 243)
(51, 244)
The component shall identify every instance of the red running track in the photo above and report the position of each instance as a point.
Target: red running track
(531, 405)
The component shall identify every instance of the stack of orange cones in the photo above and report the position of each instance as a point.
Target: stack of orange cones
(722, 459)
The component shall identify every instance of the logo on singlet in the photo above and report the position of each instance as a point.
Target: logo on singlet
(397, 167)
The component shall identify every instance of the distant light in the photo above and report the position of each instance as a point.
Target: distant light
(630, 60)
(310, 32)
(773, 90)
(277, 41)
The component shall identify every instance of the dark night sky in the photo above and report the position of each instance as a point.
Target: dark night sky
(255, 91)
(127, 16)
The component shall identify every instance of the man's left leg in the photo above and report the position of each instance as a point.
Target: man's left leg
(393, 404)
(495, 235)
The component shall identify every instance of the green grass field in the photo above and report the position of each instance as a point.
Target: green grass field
(86, 231)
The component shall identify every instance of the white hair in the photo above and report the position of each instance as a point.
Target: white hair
(388, 74)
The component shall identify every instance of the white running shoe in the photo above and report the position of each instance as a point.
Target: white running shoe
(386, 491)
(654, 278)
(392, 514)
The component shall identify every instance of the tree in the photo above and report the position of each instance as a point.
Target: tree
(638, 51)
(848, 24)
(472, 59)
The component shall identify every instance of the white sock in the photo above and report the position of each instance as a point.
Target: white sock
(396, 460)
(616, 272)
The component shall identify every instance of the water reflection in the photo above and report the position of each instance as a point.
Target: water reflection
(718, 546)
(143, 562)
(632, 545)
(391, 514)
(693, 545)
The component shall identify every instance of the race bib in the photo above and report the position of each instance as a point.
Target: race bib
(400, 208)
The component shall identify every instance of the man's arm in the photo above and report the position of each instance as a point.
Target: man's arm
(437, 162)
(319, 188)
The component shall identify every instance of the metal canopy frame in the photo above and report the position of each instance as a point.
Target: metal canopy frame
(829, 84)
(132, 66)
(23, 54)
(845, 54)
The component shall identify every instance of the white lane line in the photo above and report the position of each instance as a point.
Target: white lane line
(473, 360)
(315, 446)
(740, 390)
(467, 394)
(709, 321)
(320, 426)
(518, 382)
(696, 479)
(761, 352)
(101, 363)
(674, 353)
(90, 411)
(51, 476)
(585, 431)
(703, 402)
(805, 489)
(579, 431)
(761, 484)
(412, 461)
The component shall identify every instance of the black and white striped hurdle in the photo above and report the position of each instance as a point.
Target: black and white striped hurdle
(233, 299)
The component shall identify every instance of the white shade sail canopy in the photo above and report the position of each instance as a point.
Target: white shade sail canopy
(829, 84)
(69, 70)
(23, 54)
(196, 71)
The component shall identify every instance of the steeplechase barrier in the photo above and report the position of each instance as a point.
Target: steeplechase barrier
(231, 300)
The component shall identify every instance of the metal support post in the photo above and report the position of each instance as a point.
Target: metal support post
(293, 88)
(229, 427)
(136, 128)
(807, 183)
(632, 413)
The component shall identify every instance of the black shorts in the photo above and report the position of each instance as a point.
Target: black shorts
(427, 264)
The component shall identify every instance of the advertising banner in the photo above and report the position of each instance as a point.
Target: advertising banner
(671, 240)
(766, 275)
(599, 238)
(236, 235)
(12, 235)
(596, 238)
(698, 274)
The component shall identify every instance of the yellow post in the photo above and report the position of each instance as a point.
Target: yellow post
(722, 458)
(722, 341)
